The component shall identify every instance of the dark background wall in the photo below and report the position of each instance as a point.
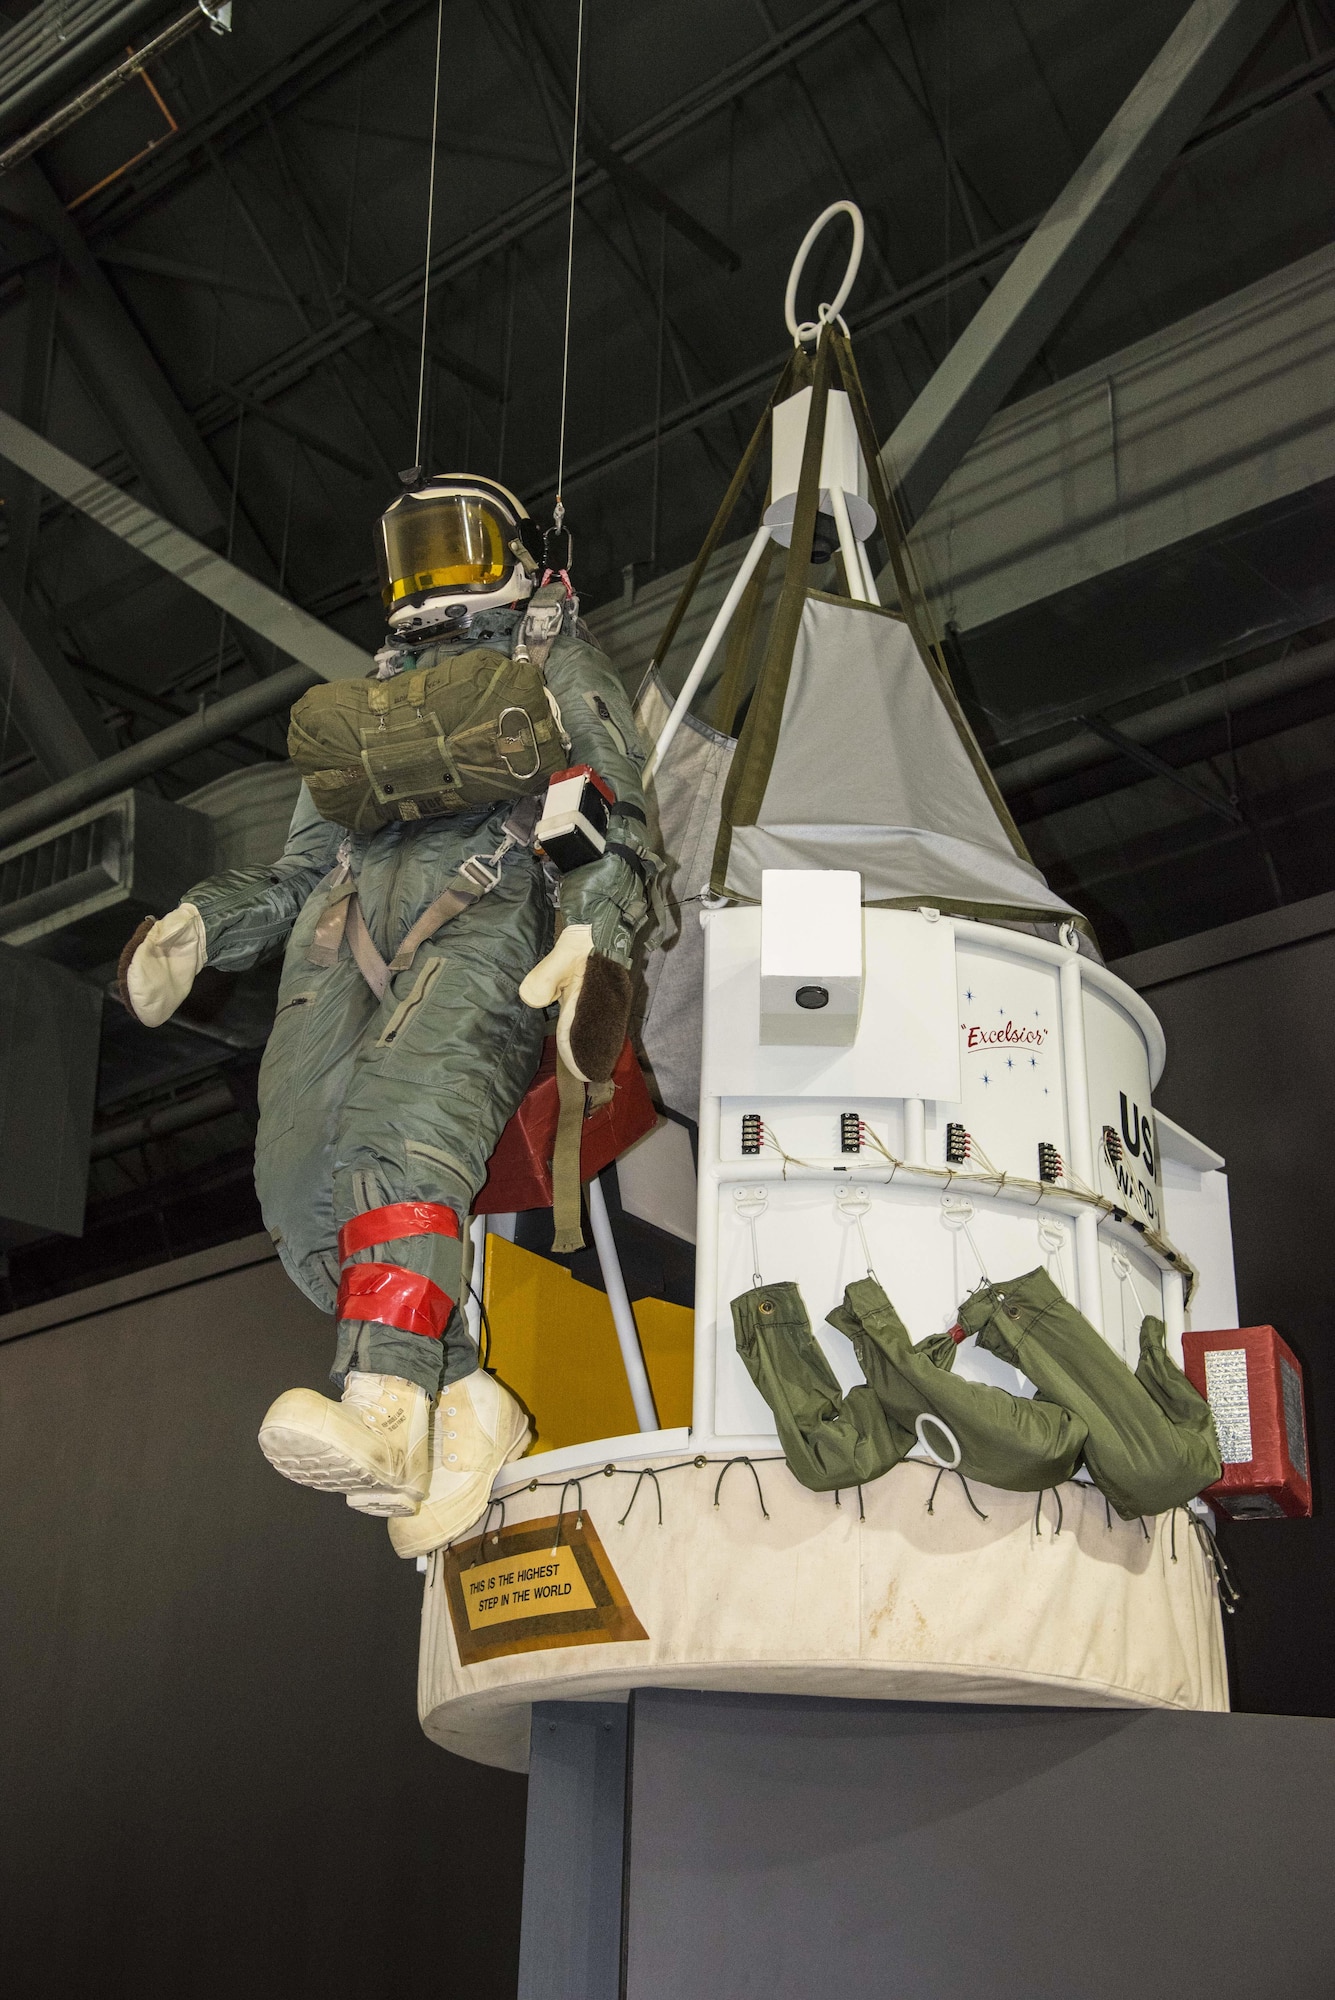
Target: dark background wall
(1251, 1070)
(212, 1775)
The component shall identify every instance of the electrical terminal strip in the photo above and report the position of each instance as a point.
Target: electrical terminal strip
(1051, 1166)
(1112, 1145)
(852, 1132)
(753, 1134)
(959, 1146)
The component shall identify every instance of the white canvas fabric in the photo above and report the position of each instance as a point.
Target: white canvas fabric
(904, 1604)
(688, 795)
(870, 773)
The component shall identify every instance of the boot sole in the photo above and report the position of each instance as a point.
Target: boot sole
(408, 1546)
(314, 1461)
(383, 1504)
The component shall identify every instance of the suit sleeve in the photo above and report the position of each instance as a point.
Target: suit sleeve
(249, 912)
(619, 895)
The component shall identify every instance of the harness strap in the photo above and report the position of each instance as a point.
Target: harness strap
(401, 1218)
(566, 1161)
(476, 878)
(632, 860)
(370, 964)
(391, 1296)
(451, 902)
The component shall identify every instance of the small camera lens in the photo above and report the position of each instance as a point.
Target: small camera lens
(812, 997)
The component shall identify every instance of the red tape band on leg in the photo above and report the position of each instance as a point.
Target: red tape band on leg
(391, 1296)
(403, 1218)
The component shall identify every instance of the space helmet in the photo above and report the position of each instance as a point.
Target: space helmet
(452, 544)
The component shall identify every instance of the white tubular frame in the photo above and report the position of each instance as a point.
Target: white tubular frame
(706, 653)
(623, 1317)
(477, 1271)
(857, 570)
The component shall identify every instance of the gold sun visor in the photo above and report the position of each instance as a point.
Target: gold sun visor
(441, 541)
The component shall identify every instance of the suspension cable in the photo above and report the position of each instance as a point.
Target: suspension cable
(430, 225)
(559, 511)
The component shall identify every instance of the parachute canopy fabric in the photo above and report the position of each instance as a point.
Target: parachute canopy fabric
(864, 767)
(688, 794)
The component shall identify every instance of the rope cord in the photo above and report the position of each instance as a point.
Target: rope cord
(559, 512)
(1228, 1591)
(430, 229)
(1011, 1184)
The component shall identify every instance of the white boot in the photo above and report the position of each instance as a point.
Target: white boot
(478, 1426)
(376, 1441)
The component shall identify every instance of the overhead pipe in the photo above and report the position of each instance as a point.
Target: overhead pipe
(155, 753)
(203, 1109)
(34, 73)
(106, 86)
(1169, 718)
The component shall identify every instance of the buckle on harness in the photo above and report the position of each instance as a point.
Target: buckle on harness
(483, 871)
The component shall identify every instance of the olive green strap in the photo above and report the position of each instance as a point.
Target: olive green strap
(732, 682)
(566, 1160)
(796, 369)
(750, 770)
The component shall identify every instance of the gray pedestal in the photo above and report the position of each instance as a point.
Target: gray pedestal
(724, 1846)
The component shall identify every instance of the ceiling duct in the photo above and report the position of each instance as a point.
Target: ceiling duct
(49, 1023)
(76, 892)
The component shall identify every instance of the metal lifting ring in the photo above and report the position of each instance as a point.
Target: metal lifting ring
(808, 330)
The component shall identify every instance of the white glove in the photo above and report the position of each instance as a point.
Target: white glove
(559, 977)
(163, 965)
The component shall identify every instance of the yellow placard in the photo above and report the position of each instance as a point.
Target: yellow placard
(529, 1586)
(547, 1583)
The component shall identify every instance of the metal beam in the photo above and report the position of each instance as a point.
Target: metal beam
(452, 363)
(31, 697)
(548, 202)
(292, 427)
(171, 268)
(92, 94)
(126, 383)
(916, 296)
(251, 603)
(31, 75)
(653, 197)
(1105, 193)
(1295, 671)
(59, 721)
(1127, 746)
(156, 753)
(124, 379)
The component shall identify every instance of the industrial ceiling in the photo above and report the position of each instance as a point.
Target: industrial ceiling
(211, 289)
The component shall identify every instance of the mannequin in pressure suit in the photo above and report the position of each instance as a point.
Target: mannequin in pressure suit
(380, 1109)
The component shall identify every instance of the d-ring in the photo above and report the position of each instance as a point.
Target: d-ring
(946, 1464)
(808, 329)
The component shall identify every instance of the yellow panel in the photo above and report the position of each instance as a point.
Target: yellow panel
(667, 1336)
(554, 1344)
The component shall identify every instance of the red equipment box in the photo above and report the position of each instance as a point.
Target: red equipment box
(1253, 1382)
(519, 1172)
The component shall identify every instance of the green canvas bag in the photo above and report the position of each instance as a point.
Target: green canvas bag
(829, 1440)
(1151, 1443)
(471, 729)
(1004, 1440)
